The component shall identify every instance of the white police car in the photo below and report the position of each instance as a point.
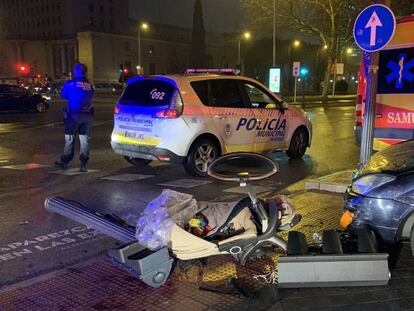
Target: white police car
(194, 118)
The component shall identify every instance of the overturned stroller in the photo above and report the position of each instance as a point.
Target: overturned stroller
(176, 224)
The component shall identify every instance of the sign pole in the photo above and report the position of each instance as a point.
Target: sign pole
(294, 93)
(334, 81)
(373, 29)
(369, 114)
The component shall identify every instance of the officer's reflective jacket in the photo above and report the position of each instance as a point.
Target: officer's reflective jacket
(79, 93)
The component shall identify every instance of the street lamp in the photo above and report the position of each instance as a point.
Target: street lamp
(246, 36)
(142, 26)
(295, 44)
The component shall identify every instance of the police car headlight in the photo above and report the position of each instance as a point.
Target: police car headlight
(366, 183)
(47, 97)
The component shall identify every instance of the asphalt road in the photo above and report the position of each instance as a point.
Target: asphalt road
(33, 242)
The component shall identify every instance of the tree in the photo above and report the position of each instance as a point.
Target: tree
(198, 46)
(330, 21)
(402, 7)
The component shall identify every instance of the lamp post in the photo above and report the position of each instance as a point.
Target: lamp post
(246, 35)
(295, 44)
(274, 34)
(143, 26)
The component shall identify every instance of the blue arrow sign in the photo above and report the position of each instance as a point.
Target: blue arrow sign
(374, 27)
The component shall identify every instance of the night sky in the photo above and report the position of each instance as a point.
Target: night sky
(219, 15)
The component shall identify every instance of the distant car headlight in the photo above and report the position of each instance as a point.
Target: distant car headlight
(366, 183)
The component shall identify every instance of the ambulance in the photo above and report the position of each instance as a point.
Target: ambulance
(394, 115)
(196, 117)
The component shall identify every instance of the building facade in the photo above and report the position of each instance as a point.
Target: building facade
(57, 19)
(49, 36)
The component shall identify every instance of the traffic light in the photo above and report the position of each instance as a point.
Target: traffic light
(304, 72)
(23, 69)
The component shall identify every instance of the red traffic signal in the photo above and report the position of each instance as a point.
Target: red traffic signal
(23, 69)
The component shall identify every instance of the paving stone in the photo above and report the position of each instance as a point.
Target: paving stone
(398, 283)
(410, 281)
(291, 293)
(385, 294)
(397, 305)
(276, 307)
(377, 306)
(406, 292)
(340, 300)
(311, 292)
(295, 304)
(355, 289)
(330, 291)
(318, 302)
(363, 297)
(348, 308)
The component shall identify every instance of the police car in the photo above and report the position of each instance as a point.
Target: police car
(195, 117)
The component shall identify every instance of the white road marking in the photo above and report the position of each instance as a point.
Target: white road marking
(72, 172)
(256, 189)
(27, 166)
(127, 177)
(185, 183)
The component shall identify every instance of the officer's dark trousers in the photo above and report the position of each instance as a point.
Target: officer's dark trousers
(77, 124)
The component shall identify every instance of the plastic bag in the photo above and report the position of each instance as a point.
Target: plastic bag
(154, 227)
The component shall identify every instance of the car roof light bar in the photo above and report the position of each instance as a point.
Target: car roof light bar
(229, 71)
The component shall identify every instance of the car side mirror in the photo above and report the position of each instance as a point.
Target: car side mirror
(283, 105)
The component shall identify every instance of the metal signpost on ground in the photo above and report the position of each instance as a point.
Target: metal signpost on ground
(296, 74)
(373, 29)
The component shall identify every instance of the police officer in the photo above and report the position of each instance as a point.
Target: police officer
(78, 117)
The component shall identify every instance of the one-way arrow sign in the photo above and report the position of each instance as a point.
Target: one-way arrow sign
(374, 27)
(373, 23)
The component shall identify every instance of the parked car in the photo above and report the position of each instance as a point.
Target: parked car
(381, 195)
(192, 119)
(15, 98)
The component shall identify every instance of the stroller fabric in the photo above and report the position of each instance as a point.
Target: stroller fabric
(156, 223)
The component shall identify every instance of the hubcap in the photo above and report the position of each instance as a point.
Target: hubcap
(299, 142)
(204, 155)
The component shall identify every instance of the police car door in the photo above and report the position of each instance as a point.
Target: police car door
(272, 123)
(231, 117)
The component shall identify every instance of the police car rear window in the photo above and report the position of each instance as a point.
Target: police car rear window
(148, 93)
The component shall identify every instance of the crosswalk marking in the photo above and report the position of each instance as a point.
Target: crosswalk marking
(72, 172)
(127, 177)
(185, 183)
(23, 167)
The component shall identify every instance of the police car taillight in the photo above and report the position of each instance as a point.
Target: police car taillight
(167, 114)
(175, 110)
(116, 109)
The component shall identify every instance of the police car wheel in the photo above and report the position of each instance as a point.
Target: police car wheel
(201, 155)
(298, 144)
(41, 107)
(137, 161)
